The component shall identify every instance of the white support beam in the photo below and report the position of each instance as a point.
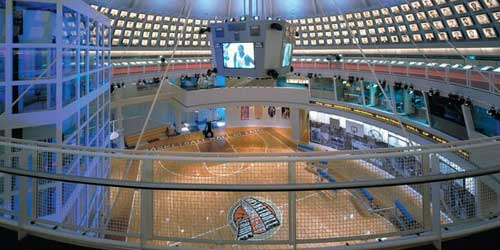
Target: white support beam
(436, 203)
(147, 211)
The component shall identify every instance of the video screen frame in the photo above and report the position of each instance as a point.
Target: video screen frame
(234, 55)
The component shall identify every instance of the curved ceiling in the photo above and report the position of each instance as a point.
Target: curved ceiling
(219, 9)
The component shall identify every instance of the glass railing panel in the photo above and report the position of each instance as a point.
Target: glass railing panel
(350, 91)
(484, 123)
(378, 100)
(415, 107)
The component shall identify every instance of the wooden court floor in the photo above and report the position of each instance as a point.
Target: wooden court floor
(204, 215)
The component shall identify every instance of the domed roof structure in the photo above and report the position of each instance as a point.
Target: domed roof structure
(211, 9)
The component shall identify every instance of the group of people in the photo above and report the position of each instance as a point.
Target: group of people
(116, 86)
(143, 82)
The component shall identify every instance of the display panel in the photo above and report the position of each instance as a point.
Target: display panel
(446, 11)
(483, 19)
(472, 34)
(457, 35)
(496, 16)
(429, 36)
(466, 21)
(475, 6)
(460, 9)
(443, 36)
(415, 5)
(452, 23)
(491, 3)
(489, 33)
(238, 55)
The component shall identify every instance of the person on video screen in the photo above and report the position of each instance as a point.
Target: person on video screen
(241, 59)
(286, 55)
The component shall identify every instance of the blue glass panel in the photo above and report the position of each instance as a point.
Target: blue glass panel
(483, 123)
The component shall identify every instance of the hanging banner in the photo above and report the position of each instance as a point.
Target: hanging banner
(245, 113)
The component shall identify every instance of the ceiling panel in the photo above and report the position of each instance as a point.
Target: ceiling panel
(220, 9)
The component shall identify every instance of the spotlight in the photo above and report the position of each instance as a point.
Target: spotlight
(276, 26)
(412, 90)
(461, 100)
(492, 111)
(204, 30)
(269, 18)
(243, 18)
(256, 18)
(468, 102)
(273, 73)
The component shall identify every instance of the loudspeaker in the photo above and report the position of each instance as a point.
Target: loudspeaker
(273, 73)
(276, 26)
(204, 30)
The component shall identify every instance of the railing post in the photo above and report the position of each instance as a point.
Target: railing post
(335, 94)
(436, 204)
(22, 213)
(467, 77)
(292, 208)
(147, 212)
(363, 101)
(491, 82)
(426, 195)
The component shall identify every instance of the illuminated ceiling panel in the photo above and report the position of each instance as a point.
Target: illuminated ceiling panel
(209, 9)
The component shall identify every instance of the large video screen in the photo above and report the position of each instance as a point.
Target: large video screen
(287, 55)
(238, 55)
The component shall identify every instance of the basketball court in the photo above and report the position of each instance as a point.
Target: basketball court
(205, 215)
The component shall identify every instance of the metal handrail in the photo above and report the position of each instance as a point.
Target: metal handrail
(214, 157)
(241, 157)
(252, 187)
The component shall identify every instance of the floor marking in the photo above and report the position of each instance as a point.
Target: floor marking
(231, 145)
(224, 226)
(265, 143)
(181, 175)
(279, 140)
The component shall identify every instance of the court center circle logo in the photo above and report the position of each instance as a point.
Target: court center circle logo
(254, 218)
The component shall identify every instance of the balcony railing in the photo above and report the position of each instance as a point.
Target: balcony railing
(272, 200)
